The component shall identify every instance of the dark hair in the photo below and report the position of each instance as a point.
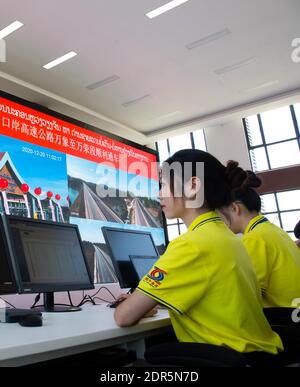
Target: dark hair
(216, 188)
(242, 184)
(297, 230)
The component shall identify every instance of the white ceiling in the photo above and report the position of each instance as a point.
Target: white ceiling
(114, 37)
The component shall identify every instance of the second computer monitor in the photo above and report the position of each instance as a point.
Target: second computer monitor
(142, 265)
(123, 243)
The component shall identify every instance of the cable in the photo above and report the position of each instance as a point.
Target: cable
(37, 299)
(70, 299)
(8, 303)
(104, 287)
(101, 299)
(86, 299)
(90, 298)
(85, 302)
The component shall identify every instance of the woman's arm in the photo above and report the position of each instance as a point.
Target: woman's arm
(135, 307)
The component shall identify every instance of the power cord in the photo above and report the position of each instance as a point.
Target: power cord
(101, 299)
(85, 299)
(8, 303)
(37, 299)
(70, 299)
(105, 288)
(90, 298)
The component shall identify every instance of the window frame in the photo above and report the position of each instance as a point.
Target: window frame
(278, 211)
(265, 144)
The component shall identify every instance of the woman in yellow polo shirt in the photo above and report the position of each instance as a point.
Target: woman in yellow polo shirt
(205, 278)
(275, 256)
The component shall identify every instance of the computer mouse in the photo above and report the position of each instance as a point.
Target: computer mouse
(31, 320)
(116, 303)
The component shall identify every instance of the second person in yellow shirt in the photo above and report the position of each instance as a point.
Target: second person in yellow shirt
(274, 255)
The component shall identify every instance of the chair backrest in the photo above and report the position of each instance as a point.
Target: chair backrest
(194, 355)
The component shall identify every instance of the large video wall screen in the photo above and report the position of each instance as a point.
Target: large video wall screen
(55, 168)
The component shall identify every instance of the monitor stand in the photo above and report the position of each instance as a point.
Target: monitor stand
(49, 305)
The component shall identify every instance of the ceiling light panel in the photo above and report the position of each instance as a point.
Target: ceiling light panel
(208, 39)
(103, 82)
(134, 101)
(261, 86)
(10, 29)
(60, 60)
(165, 8)
(235, 66)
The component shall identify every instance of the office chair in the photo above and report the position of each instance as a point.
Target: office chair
(175, 353)
(207, 355)
(282, 323)
(194, 355)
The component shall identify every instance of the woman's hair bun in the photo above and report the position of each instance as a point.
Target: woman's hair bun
(239, 179)
(253, 180)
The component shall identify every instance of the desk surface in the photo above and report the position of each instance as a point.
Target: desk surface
(73, 332)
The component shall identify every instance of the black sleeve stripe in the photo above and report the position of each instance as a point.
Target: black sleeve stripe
(160, 300)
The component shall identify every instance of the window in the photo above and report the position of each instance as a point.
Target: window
(163, 150)
(166, 148)
(254, 133)
(273, 138)
(268, 203)
(297, 112)
(283, 154)
(283, 209)
(180, 142)
(278, 125)
(173, 231)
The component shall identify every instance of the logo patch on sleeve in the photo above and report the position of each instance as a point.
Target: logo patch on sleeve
(155, 277)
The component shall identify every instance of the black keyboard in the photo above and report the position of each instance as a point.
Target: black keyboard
(13, 315)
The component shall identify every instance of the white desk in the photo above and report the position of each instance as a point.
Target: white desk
(65, 334)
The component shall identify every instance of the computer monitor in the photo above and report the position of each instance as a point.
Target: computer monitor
(48, 257)
(122, 243)
(142, 265)
(7, 280)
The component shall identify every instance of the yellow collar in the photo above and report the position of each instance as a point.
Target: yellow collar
(255, 222)
(204, 218)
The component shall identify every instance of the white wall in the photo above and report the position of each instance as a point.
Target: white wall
(228, 142)
(15, 86)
